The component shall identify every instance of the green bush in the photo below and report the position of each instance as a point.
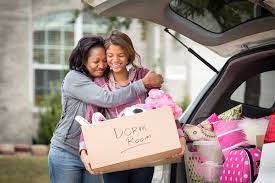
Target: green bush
(49, 115)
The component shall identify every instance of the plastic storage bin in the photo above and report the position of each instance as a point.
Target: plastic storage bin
(210, 172)
(203, 162)
(209, 151)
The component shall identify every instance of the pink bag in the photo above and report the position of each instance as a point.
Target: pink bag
(241, 165)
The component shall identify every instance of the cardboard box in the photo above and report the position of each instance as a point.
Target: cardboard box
(144, 139)
(166, 161)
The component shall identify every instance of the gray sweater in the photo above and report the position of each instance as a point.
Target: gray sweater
(77, 91)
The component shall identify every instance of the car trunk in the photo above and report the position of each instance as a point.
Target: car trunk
(247, 67)
(238, 70)
(250, 69)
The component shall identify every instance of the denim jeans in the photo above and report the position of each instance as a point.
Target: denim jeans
(140, 175)
(65, 167)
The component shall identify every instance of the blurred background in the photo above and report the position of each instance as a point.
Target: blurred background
(37, 37)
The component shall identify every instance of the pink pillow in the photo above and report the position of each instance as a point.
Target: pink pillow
(213, 118)
(229, 135)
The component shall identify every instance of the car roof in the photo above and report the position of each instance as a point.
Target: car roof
(251, 33)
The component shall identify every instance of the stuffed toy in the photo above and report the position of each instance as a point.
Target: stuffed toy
(195, 133)
(128, 111)
(158, 98)
(82, 121)
(97, 117)
(202, 131)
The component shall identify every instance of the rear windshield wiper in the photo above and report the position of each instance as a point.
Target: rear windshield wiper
(193, 52)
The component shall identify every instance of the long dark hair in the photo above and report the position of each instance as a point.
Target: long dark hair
(81, 52)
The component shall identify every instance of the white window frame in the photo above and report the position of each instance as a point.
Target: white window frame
(78, 30)
(63, 65)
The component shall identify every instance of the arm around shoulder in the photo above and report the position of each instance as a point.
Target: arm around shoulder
(79, 86)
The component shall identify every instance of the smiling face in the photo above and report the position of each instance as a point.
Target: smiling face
(117, 59)
(96, 63)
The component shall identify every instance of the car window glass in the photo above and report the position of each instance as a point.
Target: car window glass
(257, 91)
(217, 15)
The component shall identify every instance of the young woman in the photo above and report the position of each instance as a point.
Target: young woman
(121, 54)
(87, 61)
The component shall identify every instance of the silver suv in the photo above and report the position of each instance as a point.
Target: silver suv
(242, 30)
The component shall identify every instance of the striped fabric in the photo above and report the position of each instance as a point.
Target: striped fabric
(229, 135)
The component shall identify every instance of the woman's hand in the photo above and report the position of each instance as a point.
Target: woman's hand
(84, 158)
(183, 144)
(152, 80)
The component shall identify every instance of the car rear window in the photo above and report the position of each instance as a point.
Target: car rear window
(257, 91)
(218, 15)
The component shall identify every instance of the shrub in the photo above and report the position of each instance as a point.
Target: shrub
(49, 115)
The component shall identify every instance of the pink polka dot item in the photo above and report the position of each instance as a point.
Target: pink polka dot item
(241, 165)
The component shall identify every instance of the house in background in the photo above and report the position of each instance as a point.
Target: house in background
(37, 37)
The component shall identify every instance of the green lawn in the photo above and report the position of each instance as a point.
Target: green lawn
(23, 169)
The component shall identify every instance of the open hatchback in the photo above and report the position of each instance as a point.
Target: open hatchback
(241, 30)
